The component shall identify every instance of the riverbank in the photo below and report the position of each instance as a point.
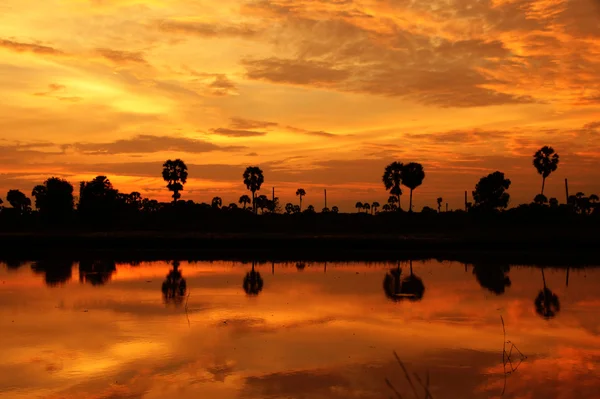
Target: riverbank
(524, 247)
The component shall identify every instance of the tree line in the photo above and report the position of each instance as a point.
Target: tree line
(99, 200)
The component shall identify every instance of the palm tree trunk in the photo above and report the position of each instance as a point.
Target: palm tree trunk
(544, 278)
(543, 183)
(410, 209)
(254, 202)
(568, 268)
(300, 203)
(399, 206)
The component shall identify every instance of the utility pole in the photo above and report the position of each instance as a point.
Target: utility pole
(325, 191)
(273, 199)
(466, 206)
(567, 190)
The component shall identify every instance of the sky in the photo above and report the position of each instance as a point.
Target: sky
(319, 94)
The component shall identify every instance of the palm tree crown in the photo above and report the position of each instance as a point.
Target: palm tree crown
(545, 160)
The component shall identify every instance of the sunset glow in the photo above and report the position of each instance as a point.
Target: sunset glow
(319, 94)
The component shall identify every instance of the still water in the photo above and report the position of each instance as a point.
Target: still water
(309, 330)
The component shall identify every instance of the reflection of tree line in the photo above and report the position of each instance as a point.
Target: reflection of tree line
(492, 276)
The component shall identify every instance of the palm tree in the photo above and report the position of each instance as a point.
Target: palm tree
(386, 207)
(253, 282)
(359, 206)
(392, 200)
(412, 286)
(366, 207)
(374, 206)
(412, 177)
(253, 179)
(245, 200)
(262, 202)
(546, 303)
(216, 202)
(392, 179)
(553, 202)
(439, 204)
(296, 209)
(545, 161)
(175, 174)
(310, 209)
(392, 284)
(335, 209)
(300, 193)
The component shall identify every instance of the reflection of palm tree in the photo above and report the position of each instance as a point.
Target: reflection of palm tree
(96, 272)
(300, 266)
(411, 287)
(174, 287)
(253, 282)
(546, 303)
(492, 276)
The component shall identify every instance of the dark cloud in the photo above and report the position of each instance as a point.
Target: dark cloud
(240, 123)
(207, 29)
(294, 71)
(236, 132)
(121, 57)
(150, 144)
(319, 133)
(222, 86)
(29, 47)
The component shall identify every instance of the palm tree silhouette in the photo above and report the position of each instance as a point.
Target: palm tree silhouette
(374, 206)
(300, 193)
(366, 207)
(175, 174)
(358, 206)
(216, 202)
(392, 284)
(412, 177)
(253, 179)
(244, 200)
(553, 202)
(392, 201)
(386, 207)
(175, 286)
(412, 286)
(96, 272)
(545, 160)
(492, 276)
(546, 303)
(289, 208)
(392, 179)
(310, 209)
(439, 204)
(253, 282)
(335, 209)
(300, 266)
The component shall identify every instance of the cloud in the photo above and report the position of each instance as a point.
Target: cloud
(237, 132)
(292, 71)
(319, 133)
(461, 136)
(150, 144)
(222, 86)
(240, 123)
(29, 48)
(121, 57)
(209, 30)
(54, 88)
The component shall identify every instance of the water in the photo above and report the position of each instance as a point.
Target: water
(322, 331)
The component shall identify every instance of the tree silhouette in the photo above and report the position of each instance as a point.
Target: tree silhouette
(439, 204)
(300, 193)
(98, 200)
(174, 287)
(19, 201)
(289, 208)
(261, 202)
(374, 206)
(546, 303)
(56, 271)
(175, 174)
(545, 161)
(553, 202)
(54, 198)
(366, 207)
(253, 282)
(244, 200)
(492, 276)
(412, 286)
(96, 272)
(216, 202)
(490, 191)
(325, 210)
(392, 201)
(335, 209)
(392, 179)
(253, 179)
(296, 209)
(386, 207)
(392, 284)
(310, 209)
(359, 206)
(412, 177)
(300, 266)
(540, 199)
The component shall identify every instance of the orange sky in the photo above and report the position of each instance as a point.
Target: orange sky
(320, 94)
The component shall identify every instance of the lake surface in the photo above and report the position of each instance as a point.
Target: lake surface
(311, 330)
